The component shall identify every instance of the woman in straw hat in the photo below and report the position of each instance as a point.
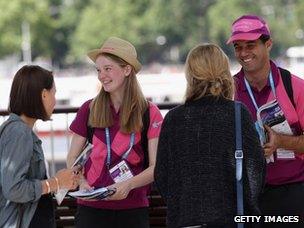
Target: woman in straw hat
(118, 157)
(195, 167)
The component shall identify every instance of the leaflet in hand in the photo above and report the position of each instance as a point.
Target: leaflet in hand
(84, 156)
(272, 115)
(96, 194)
(81, 160)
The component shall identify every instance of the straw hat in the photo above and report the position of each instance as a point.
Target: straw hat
(119, 47)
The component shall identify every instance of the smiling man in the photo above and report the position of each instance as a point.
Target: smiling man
(275, 99)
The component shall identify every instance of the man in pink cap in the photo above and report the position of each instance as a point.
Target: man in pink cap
(275, 98)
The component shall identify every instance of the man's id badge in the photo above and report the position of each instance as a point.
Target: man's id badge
(120, 172)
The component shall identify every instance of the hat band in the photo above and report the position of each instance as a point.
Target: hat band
(260, 31)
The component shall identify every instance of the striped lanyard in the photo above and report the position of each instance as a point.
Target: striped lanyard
(108, 141)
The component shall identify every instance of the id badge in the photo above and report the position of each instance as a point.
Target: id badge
(120, 172)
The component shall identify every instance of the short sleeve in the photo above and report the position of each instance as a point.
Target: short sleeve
(156, 120)
(79, 124)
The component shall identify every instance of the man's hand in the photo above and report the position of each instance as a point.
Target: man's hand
(273, 141)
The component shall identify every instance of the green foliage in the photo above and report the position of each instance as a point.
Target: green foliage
(221, 17)
(64, 30)
(14, 12)
(102, 19)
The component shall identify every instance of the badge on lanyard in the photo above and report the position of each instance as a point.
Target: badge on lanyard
(272, 115)
(120, 171)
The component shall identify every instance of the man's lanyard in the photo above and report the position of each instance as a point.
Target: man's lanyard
(250, 91)
(108, 141)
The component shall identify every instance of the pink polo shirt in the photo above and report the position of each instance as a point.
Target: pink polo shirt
(281, 171)
(96, 171)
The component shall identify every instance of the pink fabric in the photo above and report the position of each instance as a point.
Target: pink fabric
(96, 171)
(98, 158)
(244, 36)
(248, 27)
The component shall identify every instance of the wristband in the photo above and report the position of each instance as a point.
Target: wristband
(48, 186)
(57, 182)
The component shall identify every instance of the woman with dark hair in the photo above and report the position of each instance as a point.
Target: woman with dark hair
(25, 190)
(116, 117)
(195, 166)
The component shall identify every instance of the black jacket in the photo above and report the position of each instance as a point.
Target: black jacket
(195, 167)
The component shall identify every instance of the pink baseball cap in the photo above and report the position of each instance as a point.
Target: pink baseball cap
(248, 27)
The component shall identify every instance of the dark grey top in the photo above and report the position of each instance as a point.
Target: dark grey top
(22, 168)
(195, 167)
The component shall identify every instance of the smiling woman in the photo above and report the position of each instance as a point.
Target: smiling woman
(111, 73)
(116, 117)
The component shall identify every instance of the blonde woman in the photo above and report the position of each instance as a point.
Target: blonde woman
(116, 116)
(195, 167)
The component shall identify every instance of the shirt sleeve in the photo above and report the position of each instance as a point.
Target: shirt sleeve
(15, 163)
(79, 124)
(156, 120)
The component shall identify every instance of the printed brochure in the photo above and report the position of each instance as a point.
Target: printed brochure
(272, 115)
(81, 160)
(96, 194)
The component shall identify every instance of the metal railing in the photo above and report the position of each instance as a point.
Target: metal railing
(58, 129)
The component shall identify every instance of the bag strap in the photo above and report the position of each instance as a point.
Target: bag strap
(144, 136)
(286, 78)
(90, 132)
(239, 160)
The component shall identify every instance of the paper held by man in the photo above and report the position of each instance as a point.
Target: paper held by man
(272, 115)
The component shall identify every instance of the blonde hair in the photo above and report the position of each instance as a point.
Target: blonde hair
(132, 108)
(208, 73)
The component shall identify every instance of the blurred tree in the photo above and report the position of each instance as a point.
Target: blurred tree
(36, 14)
(161, 30)
(300, 18)
(182, 23)
(282, 20)
(66, 15)
(279, 14)
(222, 15)
(101, 19)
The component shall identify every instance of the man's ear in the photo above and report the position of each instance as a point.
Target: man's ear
(268, 44)
(128, 70)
